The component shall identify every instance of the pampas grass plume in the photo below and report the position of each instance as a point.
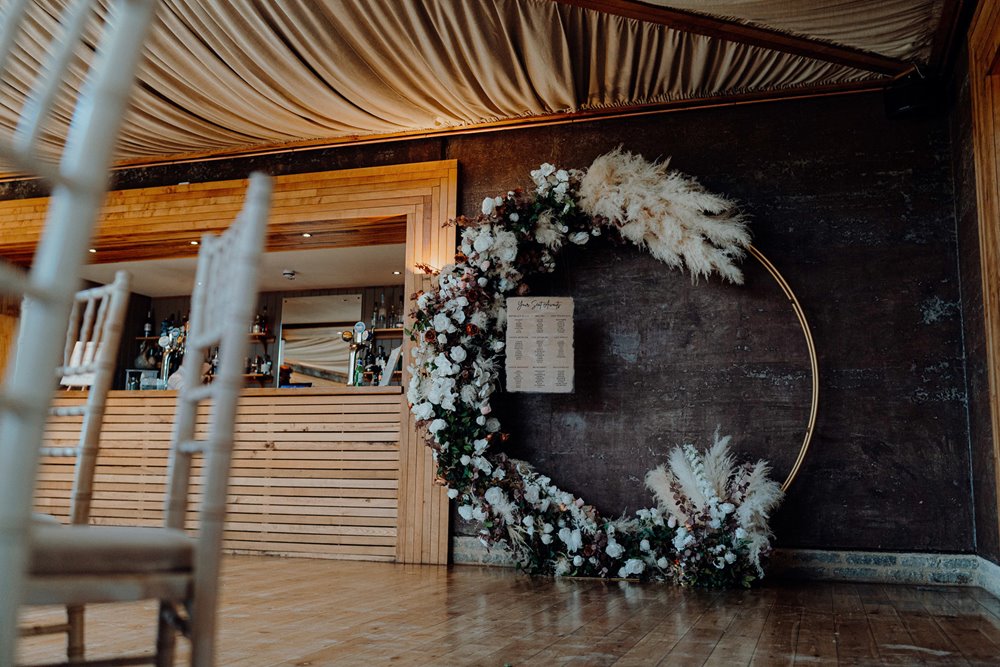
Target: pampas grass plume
(670, 213)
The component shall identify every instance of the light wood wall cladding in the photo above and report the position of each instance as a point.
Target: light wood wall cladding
(314, 474)
(158, 222)
(344, 208)
(10, 309)
(984, 83)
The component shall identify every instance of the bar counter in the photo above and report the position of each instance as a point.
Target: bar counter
(315, 471)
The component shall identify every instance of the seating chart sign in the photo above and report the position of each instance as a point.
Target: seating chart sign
(540, 344)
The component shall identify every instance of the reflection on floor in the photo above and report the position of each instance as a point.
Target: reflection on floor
(278, 611)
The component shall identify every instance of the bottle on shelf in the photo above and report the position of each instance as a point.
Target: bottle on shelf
(147, 328)
(380, 362)
(381, 312)
(399, 313)
(264, 327)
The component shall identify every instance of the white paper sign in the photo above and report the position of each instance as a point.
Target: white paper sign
(540, 344)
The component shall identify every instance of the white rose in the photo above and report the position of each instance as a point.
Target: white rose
(453, 493)
(483, 242)
(614, 549)
(577, 561)
(437, 425)
(488, 206)
(423, 411)
(441, 322)
(458, 354)
(579, 238)
(465, 511)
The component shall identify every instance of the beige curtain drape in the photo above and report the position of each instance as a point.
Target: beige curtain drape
(895, 28)
(227, 73)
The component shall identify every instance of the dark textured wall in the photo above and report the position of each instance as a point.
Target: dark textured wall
(858, 213)
(966, 214)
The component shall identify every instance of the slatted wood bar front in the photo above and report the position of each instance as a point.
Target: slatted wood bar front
(315, 472)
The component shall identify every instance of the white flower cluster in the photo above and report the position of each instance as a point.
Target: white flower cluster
(436, 364)
(455, 368)
(548, 180)
(493, 250)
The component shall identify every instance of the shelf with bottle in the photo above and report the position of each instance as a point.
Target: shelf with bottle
(388, 332)
(261, 379)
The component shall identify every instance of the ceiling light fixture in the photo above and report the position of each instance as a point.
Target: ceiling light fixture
(306, 235)
(396, 273)
(194, 243)
(93, 250)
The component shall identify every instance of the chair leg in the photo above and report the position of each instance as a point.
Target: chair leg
(166, 636)
(75, 645)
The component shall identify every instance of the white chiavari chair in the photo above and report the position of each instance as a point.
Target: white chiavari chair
(91, 563)
(78, 181)
(89, 356)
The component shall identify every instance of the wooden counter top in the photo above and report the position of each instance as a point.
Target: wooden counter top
(256, 391)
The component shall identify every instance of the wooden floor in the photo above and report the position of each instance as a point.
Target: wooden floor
(313, 612)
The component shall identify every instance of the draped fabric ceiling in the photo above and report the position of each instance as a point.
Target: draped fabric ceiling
(222, 75)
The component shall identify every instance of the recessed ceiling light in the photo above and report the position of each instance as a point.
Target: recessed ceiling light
(396, 273)
(307, 235)
(93, 250)
(194, 243)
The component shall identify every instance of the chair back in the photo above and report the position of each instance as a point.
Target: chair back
(89, 361)
(78, 180)
(222, 305)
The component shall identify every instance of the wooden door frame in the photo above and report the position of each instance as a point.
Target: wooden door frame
(984, 85)
(340, 208)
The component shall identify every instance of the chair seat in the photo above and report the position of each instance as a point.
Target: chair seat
(81, 550)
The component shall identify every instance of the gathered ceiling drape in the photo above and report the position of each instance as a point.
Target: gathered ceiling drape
(220, 74)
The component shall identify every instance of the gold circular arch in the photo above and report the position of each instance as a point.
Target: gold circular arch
(813, 363)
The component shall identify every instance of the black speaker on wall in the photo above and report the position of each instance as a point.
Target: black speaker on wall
(914, 96)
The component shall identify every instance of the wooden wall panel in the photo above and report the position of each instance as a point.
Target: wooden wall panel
(9, 313)
(984, 84)
(314, 473)
(386, 204)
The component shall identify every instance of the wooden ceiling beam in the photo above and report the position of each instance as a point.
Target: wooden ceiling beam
(700, 24)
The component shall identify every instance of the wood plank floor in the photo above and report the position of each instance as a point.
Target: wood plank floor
(296, 612)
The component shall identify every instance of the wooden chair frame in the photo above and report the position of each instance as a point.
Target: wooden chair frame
(181, 572)
(92, 341)
(78, 181)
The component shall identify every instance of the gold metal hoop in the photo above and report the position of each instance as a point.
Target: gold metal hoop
(814, 364)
